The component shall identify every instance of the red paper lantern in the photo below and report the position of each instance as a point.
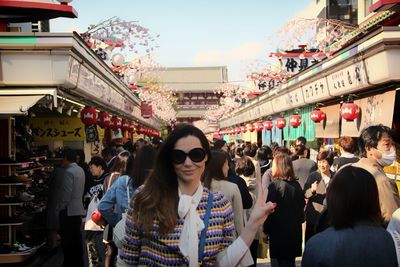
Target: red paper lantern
(250, 127)
(231, 131)
(125, 125)
(350, 111)
(138, 129)
(89, 116)
(104, 119)
(317, 115)
(295, 120)
(115, 123)
(259, 126)
(237, 130)
(146, 110)
(268, 124)
(280, 123)
(131, 127)
(244, 129)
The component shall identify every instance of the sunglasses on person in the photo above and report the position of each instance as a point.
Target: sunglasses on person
(195, 155)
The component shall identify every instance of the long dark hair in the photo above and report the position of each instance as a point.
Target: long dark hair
(159, 197)
(214, 167)
(121, 162)
(143, 165)
(353, 197)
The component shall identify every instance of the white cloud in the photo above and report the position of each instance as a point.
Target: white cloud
(241, 53)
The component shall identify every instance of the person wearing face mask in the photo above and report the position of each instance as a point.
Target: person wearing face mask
(376, 143)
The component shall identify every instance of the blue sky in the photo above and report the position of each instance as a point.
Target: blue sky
(197, 33)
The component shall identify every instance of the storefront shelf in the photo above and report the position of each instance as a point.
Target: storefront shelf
(8, 184)
(11, 204)
(17, 257)
(15, 164)
(11, 224)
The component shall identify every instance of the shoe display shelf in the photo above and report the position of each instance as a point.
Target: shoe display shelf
(9, 204)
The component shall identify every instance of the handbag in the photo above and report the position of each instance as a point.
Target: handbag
(96, 216)
(119, 229)
(204, 231)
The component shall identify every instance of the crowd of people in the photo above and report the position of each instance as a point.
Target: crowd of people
(189, 201)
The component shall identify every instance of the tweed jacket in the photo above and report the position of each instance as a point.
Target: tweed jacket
(155, 249)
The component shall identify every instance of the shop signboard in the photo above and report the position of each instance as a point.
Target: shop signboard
(59, 128)
(315, 91)
(288, 101)
(266, 109)
(348, 79)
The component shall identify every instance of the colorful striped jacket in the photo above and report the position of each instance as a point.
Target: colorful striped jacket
(155, 249)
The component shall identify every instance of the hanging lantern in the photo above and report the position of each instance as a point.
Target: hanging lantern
(280, 122)
(146, 110)
(231, 131)
(115, 123)
(295, 120)
(138, 129)
(131, 127)
(237, 130)
(244, 129)
(104, 119)
(89, 116)
(250, 127)
(124, 125)
(117, 60)
(317, 115)
(259, 126)
(350, 111)
(268, 124)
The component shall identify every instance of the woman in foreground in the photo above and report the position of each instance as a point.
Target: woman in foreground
(166, 217)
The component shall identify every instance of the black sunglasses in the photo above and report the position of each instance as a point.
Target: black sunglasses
(195, 155)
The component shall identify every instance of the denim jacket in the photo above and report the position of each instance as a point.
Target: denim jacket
(115, 201)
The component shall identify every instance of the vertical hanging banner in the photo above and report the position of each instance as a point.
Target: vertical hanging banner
(373, 110)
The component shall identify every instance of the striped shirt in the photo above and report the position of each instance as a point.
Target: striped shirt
(155, 249)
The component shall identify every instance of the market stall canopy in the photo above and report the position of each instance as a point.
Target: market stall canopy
(27, 11)
(17, 104)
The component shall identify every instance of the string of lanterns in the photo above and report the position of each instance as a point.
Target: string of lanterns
(349, 111)
(90, 116)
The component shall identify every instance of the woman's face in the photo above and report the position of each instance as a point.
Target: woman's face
(189, 171)
(225, 169)
(323, 166)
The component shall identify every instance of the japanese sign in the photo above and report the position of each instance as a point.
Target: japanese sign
(348, 79)
(65, 129)
(315, 91)
(297, 64)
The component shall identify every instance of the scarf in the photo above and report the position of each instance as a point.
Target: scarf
(192, 226)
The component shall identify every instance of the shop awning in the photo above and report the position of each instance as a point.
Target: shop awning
(17, 104)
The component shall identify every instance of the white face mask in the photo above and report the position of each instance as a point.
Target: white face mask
(388, 157)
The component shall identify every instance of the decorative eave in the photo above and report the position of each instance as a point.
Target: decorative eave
(64, 61)
(378, 46)
(29, 11)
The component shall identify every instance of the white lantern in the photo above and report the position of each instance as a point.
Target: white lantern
(117, 60)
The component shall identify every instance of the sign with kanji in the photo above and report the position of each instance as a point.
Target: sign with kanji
(316, 91)
(64, 129)
(347, 80)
